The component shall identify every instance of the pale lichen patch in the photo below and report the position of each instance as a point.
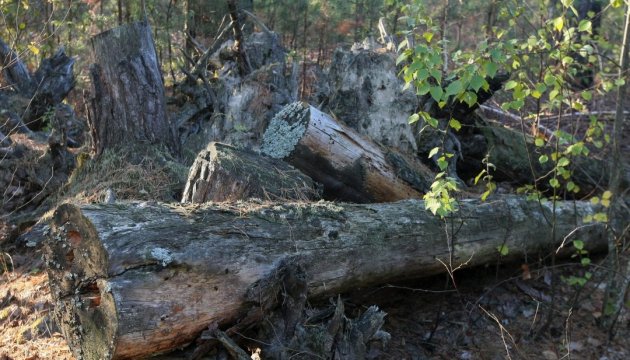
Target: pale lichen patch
(285, 131)
(162, 255)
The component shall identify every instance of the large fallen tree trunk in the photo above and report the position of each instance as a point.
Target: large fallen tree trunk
(348, 165)
(131, 280)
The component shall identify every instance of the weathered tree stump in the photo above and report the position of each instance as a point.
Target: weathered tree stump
(134, 279)
(350, 167)
(224, 173)
(128, 104)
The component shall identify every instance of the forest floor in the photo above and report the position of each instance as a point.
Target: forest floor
(495, 313)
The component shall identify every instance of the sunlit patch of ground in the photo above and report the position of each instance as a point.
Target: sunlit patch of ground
(27, 330)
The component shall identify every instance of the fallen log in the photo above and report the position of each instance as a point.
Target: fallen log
(350, 167)
(224, 173)
(134, 279)
(515, 156)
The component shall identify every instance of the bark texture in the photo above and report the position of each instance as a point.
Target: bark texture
(128, 103)
(351, 167)
(136, 279)
(225, 173)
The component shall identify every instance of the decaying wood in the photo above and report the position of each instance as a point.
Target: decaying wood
(225, 173)
(134, 279)
(128, 104)
(243, 64)
(350, 167)
(515, 156)
(33, 163)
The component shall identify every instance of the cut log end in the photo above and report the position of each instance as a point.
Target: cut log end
(285, 130)
(85, 308)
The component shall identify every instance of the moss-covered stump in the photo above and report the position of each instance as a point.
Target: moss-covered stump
(134, 279)
(225, 173)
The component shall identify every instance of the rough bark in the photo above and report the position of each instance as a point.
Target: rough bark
(350, 167)
(128, 103)
(34, 164)
(39, 92)
(135, 279)
(362, 90)
(14, 70)
(225, 173)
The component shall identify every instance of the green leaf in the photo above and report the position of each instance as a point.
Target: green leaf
(585, 25)
(455, 124)
(428, 36)
(539, 142)
(510, 85)
(470, 98)
(424, 88)
(543, 159)
(423, 74)
(436, 92)
(490, 68)
(570, 186)
(437, 75)
(478, 177)
(558, 23)
(586, 95)
(600, 217)
(585, 261)
(433, 152)
(607, 195)
(595, 200)
(433, 122)
(442, 164)
(550, 79)
(454, 88)
(567, 60)
(616, 3)
(554, 183)
(477, 82)
(563, 162)
(402, 57)
(503, 250)
(578, 244)
(413, 118)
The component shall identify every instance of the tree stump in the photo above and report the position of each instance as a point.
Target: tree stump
(225, 173)
(350, 167)
(128, 104)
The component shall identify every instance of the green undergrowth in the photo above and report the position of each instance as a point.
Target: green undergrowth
(137, 172)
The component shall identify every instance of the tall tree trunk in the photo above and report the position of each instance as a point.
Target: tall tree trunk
(615, 293)
(128, 104)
